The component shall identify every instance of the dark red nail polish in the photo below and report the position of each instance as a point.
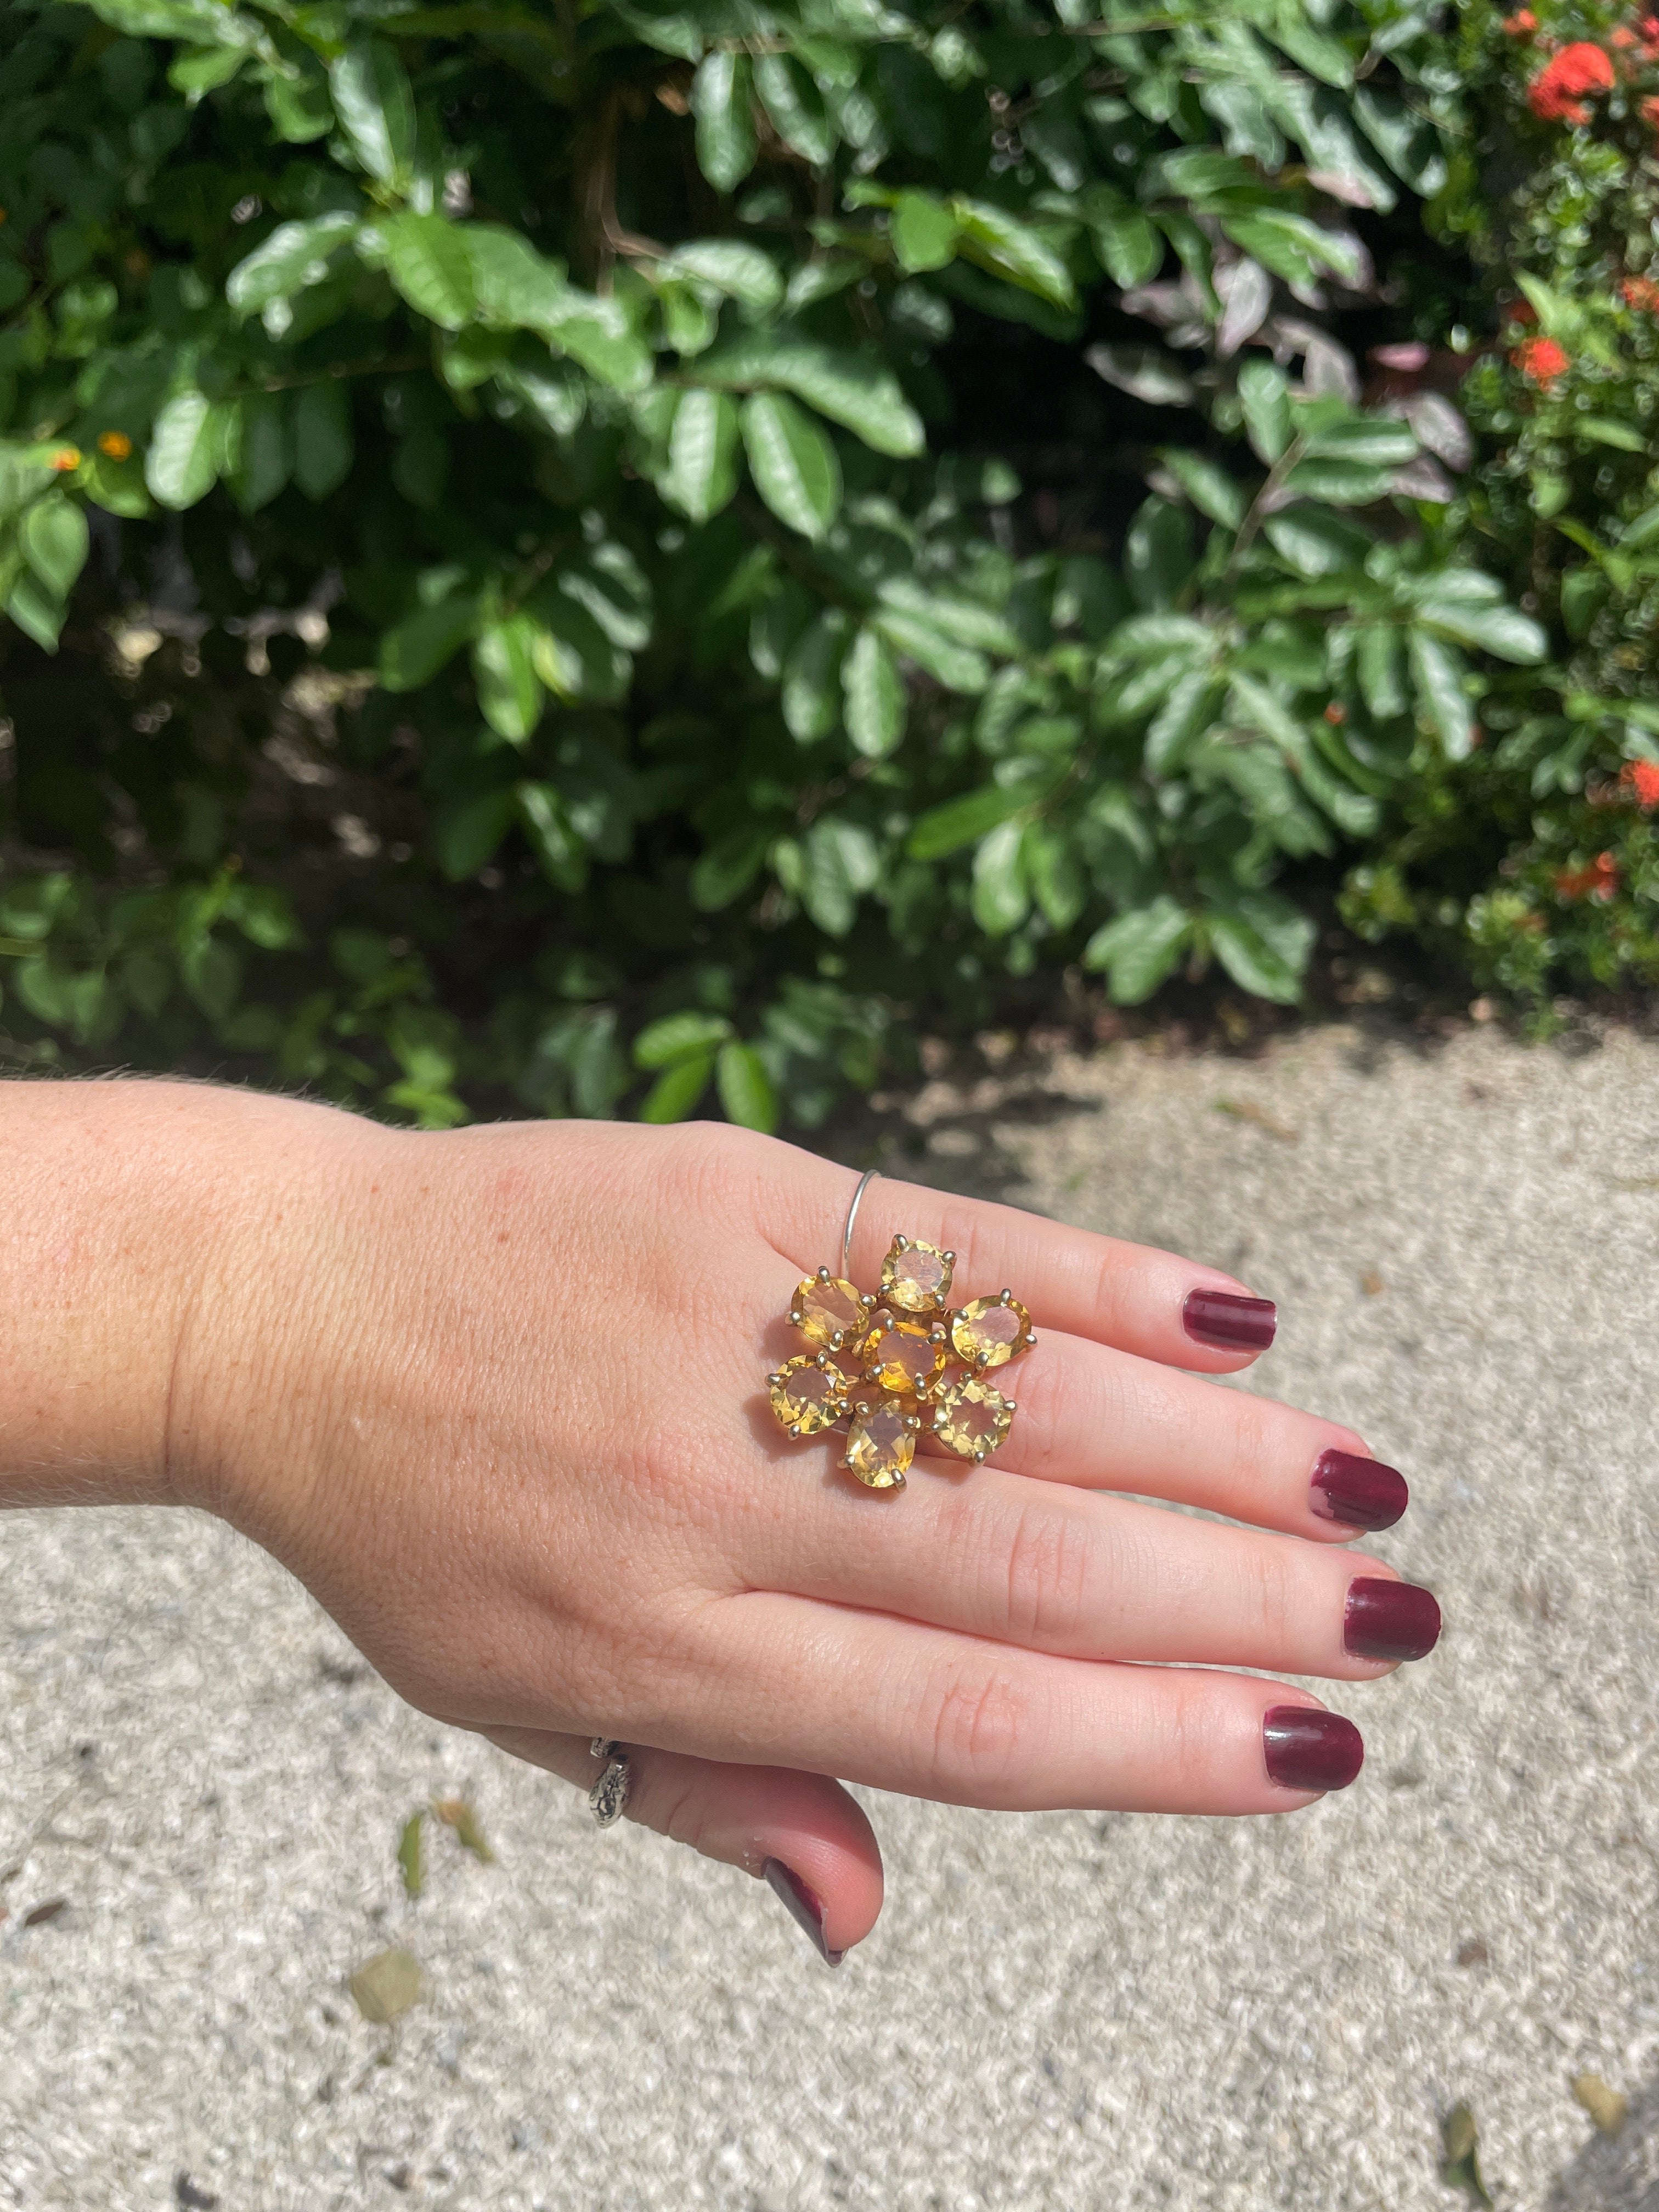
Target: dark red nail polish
(1389, 1620)
(1306, 1749)
(1228, 1323)
(803, 1906)
(1361, 1493)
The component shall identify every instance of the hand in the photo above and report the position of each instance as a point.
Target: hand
(507, 1418)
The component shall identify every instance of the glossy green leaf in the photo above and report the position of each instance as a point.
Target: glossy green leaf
(677, 1035)
(923, 231)
(702, 454)
(677, 1090)
(1263, 942)
(811, 679)
(414, 650)
(746, 1092)
(720, 96)
(795, 107)
(1001, 895)
(427, 259)
(376, 109)
(1265, 396)
(1007, 247)
(792, 462)
(510, 695)
(849, 388)
(182, 463)
(874, 701)
(1438, 679)
(545, 820)
(296, 255)
(468, 834)
(1140, 948)
(54, 538)
(958, 822)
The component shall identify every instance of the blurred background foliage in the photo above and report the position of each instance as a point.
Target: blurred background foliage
(605, 558)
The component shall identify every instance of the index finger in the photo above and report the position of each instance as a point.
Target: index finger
(1133, 1296)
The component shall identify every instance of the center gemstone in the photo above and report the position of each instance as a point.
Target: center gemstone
(902, 1355)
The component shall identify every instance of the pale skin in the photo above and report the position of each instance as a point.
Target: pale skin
(498, 1398)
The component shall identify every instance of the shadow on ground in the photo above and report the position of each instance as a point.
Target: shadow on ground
(1616, 2174)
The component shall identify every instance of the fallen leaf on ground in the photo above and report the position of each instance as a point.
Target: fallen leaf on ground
(1372, 1283)
(1460, 2142)
(1605, 2107)
(38, 1915)
(386, 1986)
(1246, 1110)
(1474, 1953)
(411, 1858)
(456, 1812)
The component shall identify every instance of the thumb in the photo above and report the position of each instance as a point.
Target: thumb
(801, 1834)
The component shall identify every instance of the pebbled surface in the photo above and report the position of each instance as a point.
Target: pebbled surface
(1062, 2010)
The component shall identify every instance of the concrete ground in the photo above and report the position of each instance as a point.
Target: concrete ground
(1062, 2011)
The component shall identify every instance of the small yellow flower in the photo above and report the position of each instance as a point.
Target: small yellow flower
(115, 444)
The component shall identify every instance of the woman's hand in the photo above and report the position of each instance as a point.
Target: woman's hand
(499, 1398)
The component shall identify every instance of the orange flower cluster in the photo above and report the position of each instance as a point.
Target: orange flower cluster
(115, 444)
(1639, 782)
(1555, 93)
(1542, 360)
(1522, 24)
(1600, 880)
(1641, 292)
(65, 458)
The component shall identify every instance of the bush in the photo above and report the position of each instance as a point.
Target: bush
(537, 611)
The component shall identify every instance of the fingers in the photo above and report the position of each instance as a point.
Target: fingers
(1105, 1420)
(900, 1706)
(1143, 1301)
(1057, 1569)
(800, 1833)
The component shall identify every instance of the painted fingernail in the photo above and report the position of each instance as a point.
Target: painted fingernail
(1306, 1749)
(1230, 1322)
(1389, 1620)
(802, 1905)
(1360, 1493)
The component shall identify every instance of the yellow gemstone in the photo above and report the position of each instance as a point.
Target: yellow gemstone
(807, 1397)
(972, 1419)
(827, 1311)
(902, 1355)
(991, 1331)
(915, 1278)
(882, 1441)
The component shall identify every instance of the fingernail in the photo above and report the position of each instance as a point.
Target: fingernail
(1361, 1493)
(1228, 1323)
(803, 1906)
(1389, 1620)
(1306, 1749)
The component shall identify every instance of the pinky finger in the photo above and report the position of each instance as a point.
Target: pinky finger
(802, 1834)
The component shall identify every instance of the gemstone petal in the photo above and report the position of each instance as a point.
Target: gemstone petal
(915, 1278)
(882, 1441)
(808, 1394)
(971, 1417)
(900, 1355)
(827, 1311)
(991, 1331)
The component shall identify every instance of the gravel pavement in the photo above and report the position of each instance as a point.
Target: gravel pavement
(1099, 2014)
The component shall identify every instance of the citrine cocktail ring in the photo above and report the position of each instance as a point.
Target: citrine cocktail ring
(883, 1364)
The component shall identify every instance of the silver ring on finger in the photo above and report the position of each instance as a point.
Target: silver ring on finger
(608, 1798)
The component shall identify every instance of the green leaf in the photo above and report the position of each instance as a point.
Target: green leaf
(796, 107)
(427, 259)
(411, 1858)
(300, 108)
(1340, 483)
(1263, 942)
(841, 863)
(678, 1089)
(1190, 710)
(324, 445)
(944, 658)
(924, 233)
(510, 694)
(1130, 246)
(376, 109)
(182, 464)
(1009, 249)
(732, 265)
(35, 612)
(1265, 396)
(1317, 542)
(793, 464)
(1158, 553)
(1140, 948)
(745, 1088)
(726, 869)
(414, 650)
(963, 821)
(702, 454)
(811, 705)
(720, 94)
(1376, 439)
(1001, 897)
(1058, 883)
(675, 1036)
(211, 971)
(1382, 670)
(296, 255)
(265, 461)
(546, 822)
(54, 538)
(849, 388)
(1438, 677)
(467, 834)
(1210, 489)
(875, 704)
(1505, 631)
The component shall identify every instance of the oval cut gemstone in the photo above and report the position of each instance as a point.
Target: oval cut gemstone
(806, 1397)
(882, 1441)
(915, 1278)
(826, 1311)
(991, 1331)
(972, 1417)
(902, 1355)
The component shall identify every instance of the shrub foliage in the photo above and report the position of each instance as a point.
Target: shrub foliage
(500, 598)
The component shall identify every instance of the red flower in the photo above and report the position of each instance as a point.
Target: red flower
(1600, 880)
(1522, 24)
(1641, 292)
(1553, 95)
(1622, 39)
(1650, 113)
(1639, 781)
(1542, 360)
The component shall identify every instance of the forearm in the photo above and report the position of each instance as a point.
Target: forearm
(123, 1203)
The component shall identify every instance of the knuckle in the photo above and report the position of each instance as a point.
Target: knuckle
(1049, 1561)
(1276, 1601)
(976, 1727)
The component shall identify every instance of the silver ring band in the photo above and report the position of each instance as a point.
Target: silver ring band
(608, 1798)
(865, 1181)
